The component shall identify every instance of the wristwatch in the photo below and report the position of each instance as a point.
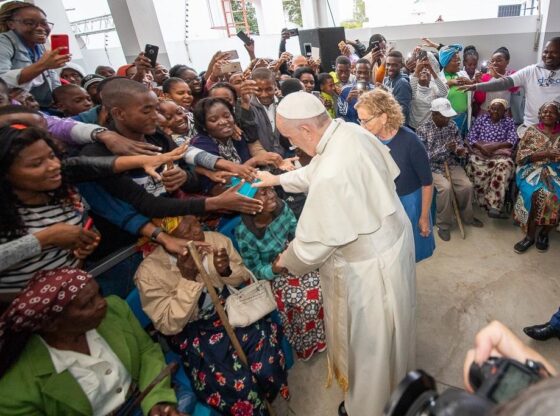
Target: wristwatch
(95, 132)
(155, 234)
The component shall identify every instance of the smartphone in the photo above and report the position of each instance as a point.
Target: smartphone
(422, 54)
(361, 86)
(243, 36)
(232, 54)
(308, 50)
(316, 94)
(230, 68)
(151, 52)
(88, 224)
(60, 41)
(293, 32)
(375, 45)
(484, 67)
(246, 189)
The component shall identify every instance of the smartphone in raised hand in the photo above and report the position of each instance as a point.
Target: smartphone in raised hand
(243, 36)
(151, 52)
(61, 41)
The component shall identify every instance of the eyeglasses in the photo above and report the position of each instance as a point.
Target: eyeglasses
(32, 24)
(364, 122)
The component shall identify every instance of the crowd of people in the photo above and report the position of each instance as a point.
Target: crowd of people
(290, 172)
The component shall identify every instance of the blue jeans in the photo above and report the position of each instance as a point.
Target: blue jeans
(555, 320)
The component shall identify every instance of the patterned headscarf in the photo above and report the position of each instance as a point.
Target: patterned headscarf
(43, 299)
(446, 53)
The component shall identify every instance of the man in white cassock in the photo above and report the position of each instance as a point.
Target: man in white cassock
(355, 230)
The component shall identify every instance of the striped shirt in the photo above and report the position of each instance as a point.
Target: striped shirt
(37, 218)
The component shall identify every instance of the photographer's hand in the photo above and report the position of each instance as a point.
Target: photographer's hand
(496, 340)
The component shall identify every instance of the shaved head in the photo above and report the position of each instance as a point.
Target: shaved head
(120, 92)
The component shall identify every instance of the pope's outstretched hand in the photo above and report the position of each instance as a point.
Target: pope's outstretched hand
(267, 179)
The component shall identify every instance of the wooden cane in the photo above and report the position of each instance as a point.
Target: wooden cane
(454, 201)
(221, 312)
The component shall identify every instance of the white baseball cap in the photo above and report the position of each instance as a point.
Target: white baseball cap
(443, 106)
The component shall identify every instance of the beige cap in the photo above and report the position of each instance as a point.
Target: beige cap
(300, 106)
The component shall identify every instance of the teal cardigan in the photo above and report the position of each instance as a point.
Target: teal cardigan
(33, 387)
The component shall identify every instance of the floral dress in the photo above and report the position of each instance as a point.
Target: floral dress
(491, 175)
(538, 182)
(218, 376)
(299, 298)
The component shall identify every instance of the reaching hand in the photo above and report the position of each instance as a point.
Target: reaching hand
(151, 163)
(267, 179)
(165, 410)
(429, 43)
(173, 179)
(230, 200)
(268, 158)
(288, 164)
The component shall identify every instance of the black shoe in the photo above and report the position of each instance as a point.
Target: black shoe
(477, 223)
(542, 332)
(342, 410)
(523, 245)
(445, 235)
(542, 243)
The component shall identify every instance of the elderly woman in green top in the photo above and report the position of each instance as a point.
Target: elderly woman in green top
(66, 350)
(261, 238)
(452, 74)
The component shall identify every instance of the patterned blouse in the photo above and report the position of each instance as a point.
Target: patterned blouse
(484, 130)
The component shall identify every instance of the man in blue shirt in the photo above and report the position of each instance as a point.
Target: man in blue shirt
(349, 95)
(397, 83)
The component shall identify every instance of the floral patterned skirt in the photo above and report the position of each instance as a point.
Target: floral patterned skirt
(300, 305)
(218, 376)
(490, 178)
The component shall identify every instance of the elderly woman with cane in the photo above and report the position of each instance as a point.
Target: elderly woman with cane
(179, 295)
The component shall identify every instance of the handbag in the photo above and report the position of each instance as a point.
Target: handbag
(249, 304)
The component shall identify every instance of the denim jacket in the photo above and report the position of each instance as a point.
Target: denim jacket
(14, 56)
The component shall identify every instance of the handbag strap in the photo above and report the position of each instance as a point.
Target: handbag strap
(236, 291)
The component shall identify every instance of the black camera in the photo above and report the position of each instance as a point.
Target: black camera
(497, 381)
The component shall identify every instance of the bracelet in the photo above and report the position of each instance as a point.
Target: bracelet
(155, 234)
(95, 132)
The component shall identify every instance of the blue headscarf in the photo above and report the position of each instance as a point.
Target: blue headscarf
(447, 52)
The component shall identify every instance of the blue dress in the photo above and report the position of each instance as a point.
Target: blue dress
(411, 157)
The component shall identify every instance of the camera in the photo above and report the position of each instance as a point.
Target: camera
(497, 381)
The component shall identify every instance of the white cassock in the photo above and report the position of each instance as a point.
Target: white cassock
(354, 228)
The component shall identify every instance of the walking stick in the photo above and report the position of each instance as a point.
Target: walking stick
(454, 201)
(221, 312)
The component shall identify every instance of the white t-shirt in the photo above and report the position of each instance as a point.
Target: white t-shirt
(541, 85)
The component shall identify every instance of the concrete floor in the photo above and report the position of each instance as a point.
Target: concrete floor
(465, 285)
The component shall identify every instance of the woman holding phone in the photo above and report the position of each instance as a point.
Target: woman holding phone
(24, 60)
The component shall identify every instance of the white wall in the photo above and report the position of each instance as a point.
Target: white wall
(516, 33)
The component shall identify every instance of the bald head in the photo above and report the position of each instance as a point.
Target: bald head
(298, 62)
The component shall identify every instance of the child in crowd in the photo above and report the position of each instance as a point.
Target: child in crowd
(71, 100)
(326, 84)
